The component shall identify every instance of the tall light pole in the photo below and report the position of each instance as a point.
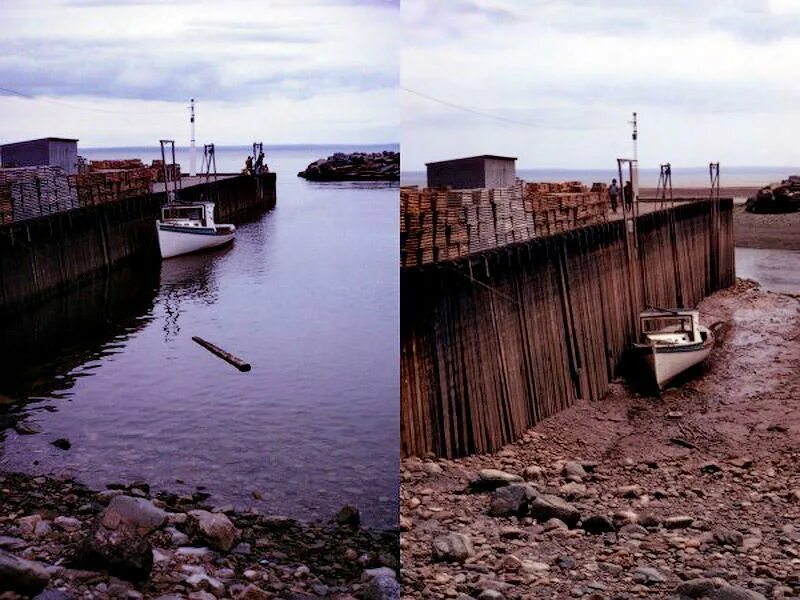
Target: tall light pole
(635, 176)
(192, 161)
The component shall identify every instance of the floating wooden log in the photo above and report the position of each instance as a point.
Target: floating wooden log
(226, 356)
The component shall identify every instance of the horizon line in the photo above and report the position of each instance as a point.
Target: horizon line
(723, 166)
(283, 145)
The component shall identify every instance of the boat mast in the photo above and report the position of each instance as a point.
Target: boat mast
(192, 162)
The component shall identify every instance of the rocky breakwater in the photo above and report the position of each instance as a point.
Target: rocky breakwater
(780, 197)
(692, 495)
(358, 166)
(60, 540)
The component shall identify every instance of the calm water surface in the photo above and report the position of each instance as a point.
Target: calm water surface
(308, 294)
(775, 270)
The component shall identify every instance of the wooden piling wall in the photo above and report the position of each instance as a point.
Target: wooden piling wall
(495, 342)
(38, 257)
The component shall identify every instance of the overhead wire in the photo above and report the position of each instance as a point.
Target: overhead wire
(7, 91)
(468, 109)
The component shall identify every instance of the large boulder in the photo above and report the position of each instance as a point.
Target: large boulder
(21, 576)
(734, 592)
(453, 547)
(547, 506)
(598, 524)
(214, 528)
(380, 584)
(138, 513)
(490, 479)
(512, 500)
(122, 552)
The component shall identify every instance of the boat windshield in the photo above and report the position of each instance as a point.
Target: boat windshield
(183, 213)
(668, 324)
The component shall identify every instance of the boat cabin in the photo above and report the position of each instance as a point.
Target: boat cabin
(670, 326)
(188, 215)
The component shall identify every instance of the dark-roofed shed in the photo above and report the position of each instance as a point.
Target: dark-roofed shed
(60, 152)
(484, 171)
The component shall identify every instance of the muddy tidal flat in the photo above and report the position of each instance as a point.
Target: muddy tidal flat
(774, 232)
(692, 495)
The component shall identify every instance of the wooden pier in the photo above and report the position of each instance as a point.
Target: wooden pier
(40, 256)
(496, 341)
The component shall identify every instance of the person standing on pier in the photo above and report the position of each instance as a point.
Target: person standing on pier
(613, 195)
(627, 193)
(260, 163)
(248, 165)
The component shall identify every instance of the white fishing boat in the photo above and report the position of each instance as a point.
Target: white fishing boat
(186, 228)
(672, 341)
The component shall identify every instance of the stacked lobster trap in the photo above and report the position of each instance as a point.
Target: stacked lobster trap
(444, 224)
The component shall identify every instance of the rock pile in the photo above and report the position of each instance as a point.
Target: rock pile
(60, 540)
(776, 198)
(358, 166)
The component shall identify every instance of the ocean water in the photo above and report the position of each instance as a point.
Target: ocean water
(308, 294)
(230, 159)
(648, 177)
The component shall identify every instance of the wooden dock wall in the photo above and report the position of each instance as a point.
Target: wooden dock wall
(493, 343)
(38, 257)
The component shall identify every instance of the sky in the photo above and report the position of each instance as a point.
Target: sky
(121, 72)
(710, 81)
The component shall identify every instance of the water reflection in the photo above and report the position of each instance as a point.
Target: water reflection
(184, 279)
(45, 349)
(308, 294)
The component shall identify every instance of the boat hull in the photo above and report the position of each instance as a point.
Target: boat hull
(666, 363)
(176, 241)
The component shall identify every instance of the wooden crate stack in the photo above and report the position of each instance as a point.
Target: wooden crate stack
(501, 205)
(459, 203)
(157, 170)
(114, 165)
(102, 187)
(486, 237)
(438, 224)
(6, 206)
(30, 192)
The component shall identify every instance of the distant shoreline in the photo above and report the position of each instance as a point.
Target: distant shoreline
(388, 145)
(682, 178)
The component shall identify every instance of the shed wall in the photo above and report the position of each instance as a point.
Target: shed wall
(463, 174)
(499, 173)
(64, 155)
(29, 154)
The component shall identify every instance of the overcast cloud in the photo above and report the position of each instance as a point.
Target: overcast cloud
(711, 81)
(286, 71)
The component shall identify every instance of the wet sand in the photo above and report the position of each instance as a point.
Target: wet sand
(774, 232)
(698, 488)
(735, 192)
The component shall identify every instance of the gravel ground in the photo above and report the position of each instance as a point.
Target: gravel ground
(693, 494)
(60, 540)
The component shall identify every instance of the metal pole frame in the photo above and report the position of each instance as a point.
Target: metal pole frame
(171, 194)
(665, 186)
